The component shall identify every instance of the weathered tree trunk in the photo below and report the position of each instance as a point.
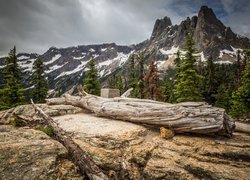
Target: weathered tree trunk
(194, 117)
(242, 127)
(80, 158)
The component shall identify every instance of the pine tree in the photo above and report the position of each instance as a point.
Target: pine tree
(39, 83)
(168, 86)
(241, 97)
(141, 76)
(210, 82)
(12, 93)
(169, 80)
(177, 60)
(152, 82)
(112, 81)
(222, 97)
(91, 83)
(119, 83)
(132, 77)
(187, 87)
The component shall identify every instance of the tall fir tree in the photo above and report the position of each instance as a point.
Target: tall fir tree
(141, 76)
(152, 82)
(241, 97)
(188, 83)
(13, 92)
(133, 81)
(169, 79)
(167, 88)
(116, 82)
(119, 83)
(39, 82)
(91, 83)
(210, 82)
(222, 97)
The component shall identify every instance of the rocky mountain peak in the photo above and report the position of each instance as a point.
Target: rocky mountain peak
(160, 25)
(206, 12)
(206, 16)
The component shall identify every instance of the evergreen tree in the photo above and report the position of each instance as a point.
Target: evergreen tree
(222, 97)
(12, 93)
(187, 87)
(169, 80)
(241, 97)
(119, 83)
(152, 82)
(116, 82)
(177, 60)
(168, 86)
(210, 82)
(141, 76)
(132, 76)
(112, 82)
(40, 85)
(91, 83)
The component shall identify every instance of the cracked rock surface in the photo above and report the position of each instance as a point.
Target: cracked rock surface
(135, 152)
(30, 154)
(123, 150)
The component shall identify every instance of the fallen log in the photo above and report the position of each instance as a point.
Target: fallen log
(80, 158)
(194, 117)
(242, 127)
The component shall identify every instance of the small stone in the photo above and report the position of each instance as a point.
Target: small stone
(166, 133)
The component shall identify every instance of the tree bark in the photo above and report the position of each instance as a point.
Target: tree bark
(194, 117)
(80, 158)
(242, 127)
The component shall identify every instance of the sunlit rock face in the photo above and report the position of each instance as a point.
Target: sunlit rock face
(123, 150)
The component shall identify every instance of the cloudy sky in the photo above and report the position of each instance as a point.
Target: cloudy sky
(36, 25)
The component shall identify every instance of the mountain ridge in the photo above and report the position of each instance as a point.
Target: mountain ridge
(65, 67)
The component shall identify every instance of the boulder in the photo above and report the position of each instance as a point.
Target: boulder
(30, 154)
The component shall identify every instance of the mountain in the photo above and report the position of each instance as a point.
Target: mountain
(65, 67)
(212, 39)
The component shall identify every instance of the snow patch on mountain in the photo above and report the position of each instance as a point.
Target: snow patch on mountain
(123, 57)
(23, 57)
(57, 56)
(202, 57)
(103, 49)
(78, 58)
(105, 63)
(55, 67)
(228, 52)
(77, 69)
(95, 55)
(223, 62)
(91, 50)
(170, 52)
(26, 65)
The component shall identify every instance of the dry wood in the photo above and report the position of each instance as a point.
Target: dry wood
(194, 117)
(80, 158)
(242, 127)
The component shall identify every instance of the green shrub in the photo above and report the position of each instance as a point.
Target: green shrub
(47, 130)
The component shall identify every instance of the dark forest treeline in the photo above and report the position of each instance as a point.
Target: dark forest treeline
(222, 85)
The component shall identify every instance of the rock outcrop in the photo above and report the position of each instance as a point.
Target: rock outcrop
(123, 150)
(30, 154)
(130, 151)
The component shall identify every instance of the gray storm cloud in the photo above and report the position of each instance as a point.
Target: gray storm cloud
(36, 25)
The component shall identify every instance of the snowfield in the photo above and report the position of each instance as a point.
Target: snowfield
(53, 59)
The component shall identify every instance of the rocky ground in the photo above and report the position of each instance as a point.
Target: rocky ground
(124, 150)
